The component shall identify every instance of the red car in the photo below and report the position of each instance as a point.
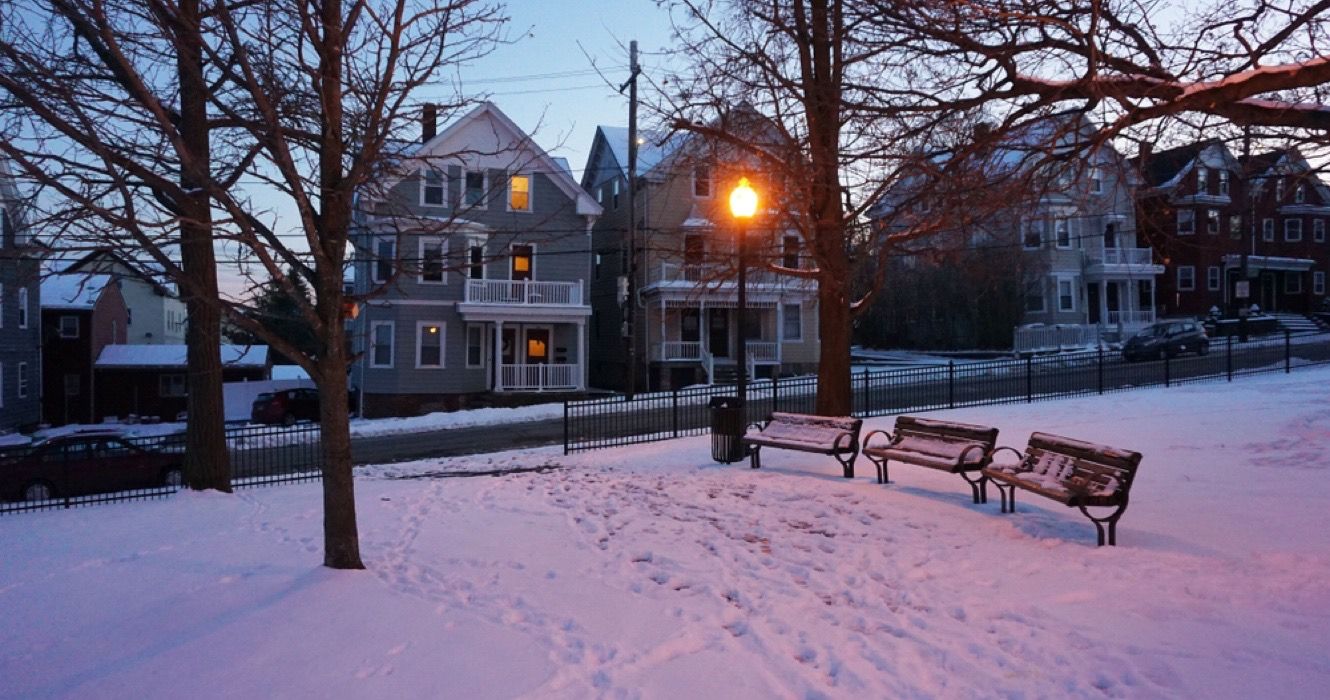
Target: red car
(78, 465)
(285, 407)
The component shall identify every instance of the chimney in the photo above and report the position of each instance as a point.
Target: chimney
(429, 116)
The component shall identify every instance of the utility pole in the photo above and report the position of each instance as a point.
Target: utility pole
(630, 304)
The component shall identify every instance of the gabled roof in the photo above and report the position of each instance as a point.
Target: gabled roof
(1160, 168)
(71, 291)
(653, 147)
(154, 275)
(173, 356)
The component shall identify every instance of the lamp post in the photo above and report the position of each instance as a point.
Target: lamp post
(743, 204)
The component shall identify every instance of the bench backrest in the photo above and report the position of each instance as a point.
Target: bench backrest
(947, 430)
(1083, 466)
(801, 422)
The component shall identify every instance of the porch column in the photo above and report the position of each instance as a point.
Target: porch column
(498, 355)
(581, 354)
(1154, 303)
(1103, 302)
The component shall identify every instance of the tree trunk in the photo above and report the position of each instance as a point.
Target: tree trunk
(834, 394)
(207, 462)
(341, 538)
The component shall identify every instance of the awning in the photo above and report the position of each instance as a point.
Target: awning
(1259, 263)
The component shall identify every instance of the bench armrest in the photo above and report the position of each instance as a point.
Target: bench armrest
(852, 445)
(890, 438)
(965, 452)
(1020, 456)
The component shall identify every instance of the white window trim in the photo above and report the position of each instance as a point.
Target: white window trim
(1071, 235)
(1178, 223)
(424, 183)
(484, 356)
(60, 327)
(1223, 183)
(1289, 278)
(784, 338)
(1288, 230)
(22, 380)
(1318, 283)
(1057, 290)
(1318, 230)
(1300, 194)
(1267, 229)
(1213, 222)
(530, 193)
(1213, 279)
(392, 343)
(1202, 180)
(1096, 180)
(614, 194)
(532, 246)
(476, 242)
(443, 260)
(1192, 285)
(484, 189)
(22, 308)
(374, 258)
(711, 183)
(443, 343)
(1025, 233)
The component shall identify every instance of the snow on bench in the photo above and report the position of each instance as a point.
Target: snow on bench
(834, 436)
(1072, 472)
(956, 448)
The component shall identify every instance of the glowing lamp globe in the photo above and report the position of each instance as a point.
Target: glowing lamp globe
(743, 200)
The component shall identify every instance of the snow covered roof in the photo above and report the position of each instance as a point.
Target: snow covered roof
(654, 146)
(72, 291)
(142, 356)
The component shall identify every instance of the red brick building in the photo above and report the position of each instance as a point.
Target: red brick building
(81, 314)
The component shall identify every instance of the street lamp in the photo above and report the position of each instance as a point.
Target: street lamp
(743, 204)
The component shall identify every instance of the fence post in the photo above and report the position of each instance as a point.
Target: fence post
(775, 390)
(1229, 360)
(1101, 369)
(674, 412)
(1029, 378)
(951, 384)
(1168, 361)
(864, 407)
(1288, 351)
(565, 427)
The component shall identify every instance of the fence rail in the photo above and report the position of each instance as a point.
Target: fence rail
(91, 468)
(608, 422)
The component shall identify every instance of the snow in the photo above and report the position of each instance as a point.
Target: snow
(442, 420)
(146, 356)
(72, 291)
(652, 572)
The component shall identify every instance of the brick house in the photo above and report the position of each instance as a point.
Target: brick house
(81, 314)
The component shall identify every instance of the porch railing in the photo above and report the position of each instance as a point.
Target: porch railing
(704, 274)
(680, 350)
(764, 353)
(540, 377)
(1126, 256)
(1143, 317)
(525, 292)
(1040, 338)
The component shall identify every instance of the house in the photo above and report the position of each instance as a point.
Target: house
(20, 295)
(684, 301)
(81, 314)
(473, 261)
(1082, 272)
(151, 380)
(156, 313)
(1216, 220)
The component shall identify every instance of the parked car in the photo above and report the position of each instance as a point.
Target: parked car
(1166, 339)
(80, 464)
(285, 407)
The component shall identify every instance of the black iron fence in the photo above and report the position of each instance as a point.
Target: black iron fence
(619, 420)
(102, 466)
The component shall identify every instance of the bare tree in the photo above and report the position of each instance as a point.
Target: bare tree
(305, 104)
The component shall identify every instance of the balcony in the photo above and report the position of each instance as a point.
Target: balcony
(1122, 262)
(1131, 319)
(539, 377)
(523, 293)
(711, 276)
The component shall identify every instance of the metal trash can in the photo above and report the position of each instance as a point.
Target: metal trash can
(727, 428)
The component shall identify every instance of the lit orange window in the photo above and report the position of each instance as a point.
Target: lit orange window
(535, 349)
(519, 193)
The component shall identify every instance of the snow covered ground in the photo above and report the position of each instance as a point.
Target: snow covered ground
(652, 572)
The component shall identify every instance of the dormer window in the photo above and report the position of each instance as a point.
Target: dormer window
(1279, 190)
(1223, 183)
(519, 193)
(614, 194)
(701, 182)
(1202, 180)
(432, 189)
(1300, 194)
(1096, 181)
(475, 188)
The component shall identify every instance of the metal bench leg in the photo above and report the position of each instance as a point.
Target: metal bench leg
(1008, 494)
(1111, 521)
(848, 465)
(755, 456)
(978, 487)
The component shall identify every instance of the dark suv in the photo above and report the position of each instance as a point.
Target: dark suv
(285, 407)
(1166, 339)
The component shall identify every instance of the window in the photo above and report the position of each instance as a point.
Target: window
(474, 193)
(69, 327)
(475, 346)
(1202, 180)
(73, 385)
(1096, 181)
(1267, 229)
(1212, 222)
(429, 345)
(381, 344)
(790, 256)
(519, 193)
(792, 322)
(1293, 283)
(1293, 230)
(595, 270)
(537, 346)
(1235, 226)
(614, 194)
(1318, 283)
(1212, 278)
(600, 195)
(168, 385)
(694, 249)
(523, 262)
(1318, 235)
(431, 260)
(1034, 296)
(1186, 222)
(23, 306)
(1062, 229)
(1034, 234)
(475, 260)
(23, 380)
(432, 188)
(385, 259)
(1279, 190)
(1186, 278)
(1300, 194)
(1223, 183)
(1066, 294)
(702, 181)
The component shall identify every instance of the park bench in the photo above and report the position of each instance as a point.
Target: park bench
(1074, 473)
(837, 437)
(955, 448)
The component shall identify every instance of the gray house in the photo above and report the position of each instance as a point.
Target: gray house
(20, 313)
(473, 261)
(156, 313)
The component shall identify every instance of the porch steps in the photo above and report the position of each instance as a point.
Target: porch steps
(1298, 323)
(725, 374)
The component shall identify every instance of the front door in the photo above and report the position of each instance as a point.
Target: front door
(718, 330)
(537, 346)
(522, 262)
(509, 350)
(690, 325)
(1092, 302)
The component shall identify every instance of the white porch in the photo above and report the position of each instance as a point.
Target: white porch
(707, 332)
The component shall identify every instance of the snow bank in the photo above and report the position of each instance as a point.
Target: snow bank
(652, 572)
(455, 419)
